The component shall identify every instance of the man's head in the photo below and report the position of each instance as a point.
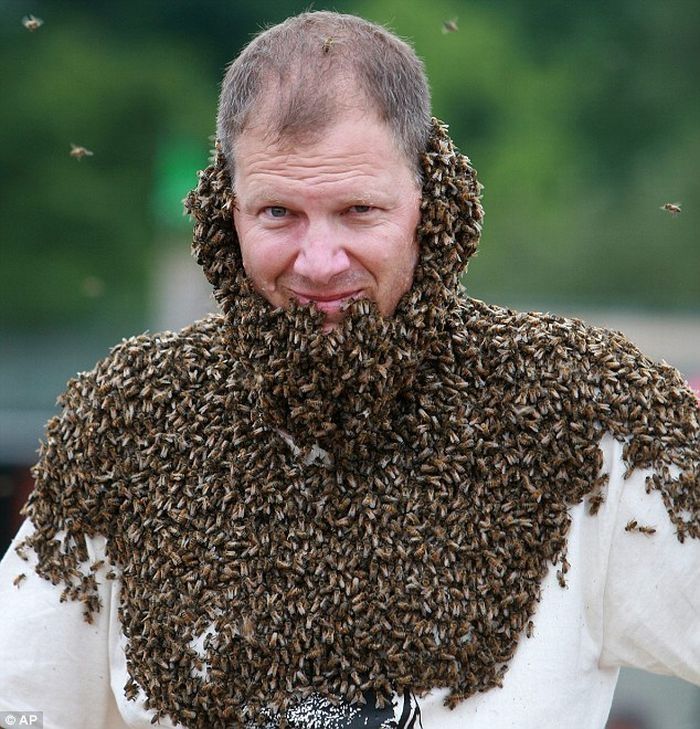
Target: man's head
(311, 69)
(322, 120)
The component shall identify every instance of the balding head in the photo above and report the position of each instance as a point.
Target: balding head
(298, 77)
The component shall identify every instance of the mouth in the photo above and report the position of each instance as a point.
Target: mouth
(333, 305)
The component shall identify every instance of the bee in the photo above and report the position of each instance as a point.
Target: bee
(79, 152)
(560, 578)
(673, 208)
(31, 23)
(247, 629)
(634, 526)
(450, 26)
(530, 629)
(328, 44)
(595, 502)
(18, 580)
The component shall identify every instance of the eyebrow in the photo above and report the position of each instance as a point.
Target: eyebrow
(271, 197)
(264, 195)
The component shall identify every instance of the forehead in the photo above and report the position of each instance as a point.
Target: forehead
(355, 149)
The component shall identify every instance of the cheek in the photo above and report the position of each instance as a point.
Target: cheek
(267, 256)
(395, 268)
(405, 246)
(252, 245)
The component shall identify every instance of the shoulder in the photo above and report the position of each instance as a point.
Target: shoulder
(144, 397)
(556, 347)
(144, 387)
(149, 366)
(565, 336)
(544, 379)
(200, 343)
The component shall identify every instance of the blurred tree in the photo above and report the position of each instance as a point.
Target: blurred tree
(79, 231)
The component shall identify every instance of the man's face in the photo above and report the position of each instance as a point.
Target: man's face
(330, 221)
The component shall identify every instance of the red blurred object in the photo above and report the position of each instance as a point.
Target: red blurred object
(694, 382)
(24, 483)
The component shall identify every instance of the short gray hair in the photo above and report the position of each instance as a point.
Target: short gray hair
(313, 61)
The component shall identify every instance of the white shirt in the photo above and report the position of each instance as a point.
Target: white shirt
(631, 600)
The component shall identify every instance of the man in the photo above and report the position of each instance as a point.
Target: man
(355, 498)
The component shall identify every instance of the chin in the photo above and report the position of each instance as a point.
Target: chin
(329, 326)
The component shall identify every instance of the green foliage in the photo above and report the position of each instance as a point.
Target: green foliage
(79, 233)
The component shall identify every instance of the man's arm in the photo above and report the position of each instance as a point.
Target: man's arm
(652, 592)
(51, 659)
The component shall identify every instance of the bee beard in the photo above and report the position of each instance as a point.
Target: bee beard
(339, 390)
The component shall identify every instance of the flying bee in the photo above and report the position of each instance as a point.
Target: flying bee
(18, 580)
(450, 26)
(79, 152)
(31, 23)
(673, 208)
(328, 44)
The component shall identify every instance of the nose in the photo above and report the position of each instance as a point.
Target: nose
(321, 254)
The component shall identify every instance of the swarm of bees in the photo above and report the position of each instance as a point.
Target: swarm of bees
(79, 152)
(31, 23)
(456, 446)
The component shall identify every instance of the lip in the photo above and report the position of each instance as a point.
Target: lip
(327, 303)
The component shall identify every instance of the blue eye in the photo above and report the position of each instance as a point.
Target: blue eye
(360, 208)
(277, 211)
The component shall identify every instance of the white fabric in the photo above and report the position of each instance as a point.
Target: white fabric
(630, 600)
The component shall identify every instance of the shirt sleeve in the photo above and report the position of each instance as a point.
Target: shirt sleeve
(651, 603)
(51, 659)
